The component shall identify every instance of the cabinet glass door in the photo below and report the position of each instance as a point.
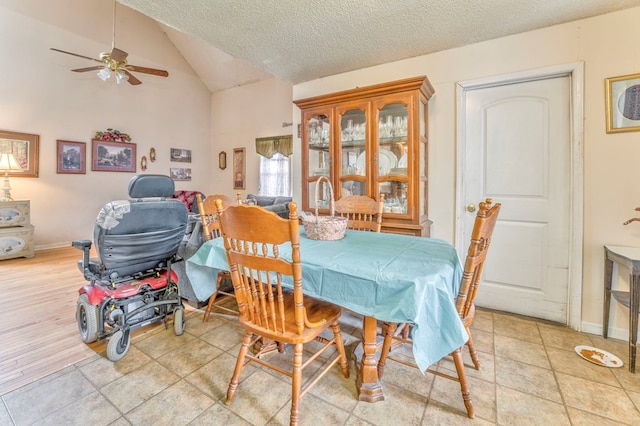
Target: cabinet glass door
(393, 157)
(352, 155)
(422, 160)
(319, 157)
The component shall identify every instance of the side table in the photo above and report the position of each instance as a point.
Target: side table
(16, 231)
(630, 258)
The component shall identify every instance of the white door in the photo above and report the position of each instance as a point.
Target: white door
(517, 150)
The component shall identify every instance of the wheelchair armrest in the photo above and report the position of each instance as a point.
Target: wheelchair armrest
(81, 244)
(85, 246)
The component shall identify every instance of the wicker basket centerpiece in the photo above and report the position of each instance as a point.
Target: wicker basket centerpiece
(327, 228)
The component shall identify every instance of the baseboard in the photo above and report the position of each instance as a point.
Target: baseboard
(596, 328)
(53, 246)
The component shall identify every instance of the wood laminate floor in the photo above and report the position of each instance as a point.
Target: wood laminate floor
(38, 331)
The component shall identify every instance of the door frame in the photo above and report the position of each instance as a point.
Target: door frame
(575, 71)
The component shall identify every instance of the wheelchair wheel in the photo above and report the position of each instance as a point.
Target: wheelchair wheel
(87, 318)
(118, 345)
(178, 320)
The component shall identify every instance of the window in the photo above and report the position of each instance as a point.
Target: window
(275, 176)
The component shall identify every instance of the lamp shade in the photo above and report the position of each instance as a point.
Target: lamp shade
(8, 162)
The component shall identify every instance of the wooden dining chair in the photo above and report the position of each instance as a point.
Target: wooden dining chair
(480, 239)
(211, 230)
(269, 310)
(363, 213)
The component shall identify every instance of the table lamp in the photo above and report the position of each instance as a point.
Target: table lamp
(8, 163)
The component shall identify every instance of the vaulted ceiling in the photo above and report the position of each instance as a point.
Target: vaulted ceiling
(230, 43)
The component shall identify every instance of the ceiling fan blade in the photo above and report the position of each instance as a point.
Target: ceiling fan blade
(88, 69)
(118, 55)
(153, 71)
(75, 54)
(131, 78)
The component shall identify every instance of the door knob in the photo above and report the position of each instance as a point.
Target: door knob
(471, 207)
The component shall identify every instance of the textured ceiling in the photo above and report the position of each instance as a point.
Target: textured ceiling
(231, 42)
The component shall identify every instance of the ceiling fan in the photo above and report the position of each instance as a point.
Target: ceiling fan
(115, 63)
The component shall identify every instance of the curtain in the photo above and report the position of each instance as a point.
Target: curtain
(275, 176)
(267, 147)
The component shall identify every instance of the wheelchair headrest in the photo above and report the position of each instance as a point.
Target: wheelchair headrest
(148, 186)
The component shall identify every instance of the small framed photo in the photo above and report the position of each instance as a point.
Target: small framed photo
(622, 98)
(24, 148)
(239, 168)
(72, 157)
(181, 155)
(110, 156)
(180, 173)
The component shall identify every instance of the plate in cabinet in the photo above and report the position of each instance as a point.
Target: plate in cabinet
(388, 161)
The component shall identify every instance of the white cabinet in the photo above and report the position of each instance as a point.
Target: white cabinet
(16, 231)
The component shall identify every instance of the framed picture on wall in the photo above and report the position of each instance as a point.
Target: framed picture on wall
(622, 98)
(71, 157)
(180, 173)
(239, 168)
(24, 148)
(181, 155)
(110, 156)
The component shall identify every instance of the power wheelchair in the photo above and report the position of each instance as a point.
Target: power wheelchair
(131, 283)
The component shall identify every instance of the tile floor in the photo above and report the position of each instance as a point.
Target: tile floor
(530, 375)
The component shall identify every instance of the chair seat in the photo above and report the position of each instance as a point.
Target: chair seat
(317, 310)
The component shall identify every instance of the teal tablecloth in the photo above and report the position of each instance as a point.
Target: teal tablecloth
(389, 277)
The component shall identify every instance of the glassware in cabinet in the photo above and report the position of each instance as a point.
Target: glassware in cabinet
(352, 157)
(317, 139)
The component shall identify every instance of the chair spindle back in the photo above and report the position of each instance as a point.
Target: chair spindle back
(363, 213)
(252, 237)
(209, 214)
(483, 227)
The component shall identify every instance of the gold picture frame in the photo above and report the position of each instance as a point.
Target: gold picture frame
(222, 160)
(622, 98)
(239, 172)
(24, 147)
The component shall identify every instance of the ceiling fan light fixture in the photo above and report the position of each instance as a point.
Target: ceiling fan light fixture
(121, 76)
(115, 62)
(104, 74)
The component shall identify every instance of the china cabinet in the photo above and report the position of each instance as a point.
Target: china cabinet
(16, 231)
(367, 141)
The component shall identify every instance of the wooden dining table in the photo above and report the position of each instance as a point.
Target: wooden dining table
(385, 277)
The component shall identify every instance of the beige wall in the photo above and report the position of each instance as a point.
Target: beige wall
(608, 47)
(40, 95)
(238, 117)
